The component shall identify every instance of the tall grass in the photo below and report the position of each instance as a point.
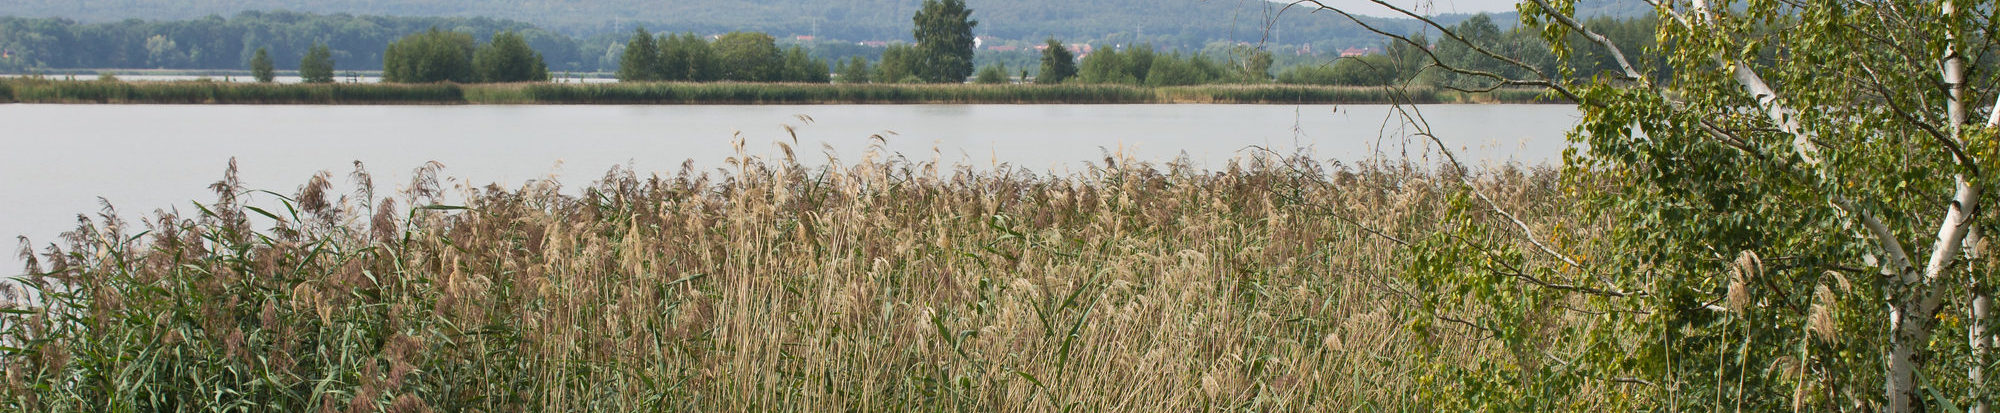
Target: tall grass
(866, 286)
(197, 92)
(207, 92)
(1295, 94)
(1513, 95)
(765, 93)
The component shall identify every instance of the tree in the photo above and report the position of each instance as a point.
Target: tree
(509, 59)
(686, 57)
(1479, 33)
(801, 67)
(944, 41)
(1177, 70)
(1139, 61)
(1370, 70)
(641, 61)
(317, 66)
(748, 57)
(163, 52)
(1252, 65)
(900, 63)
(1058, 64)
(1106, 66)
(855, 71)
(1793, 202)
(429, 57)
(994, 74)
(260, 66)
(1410, 60)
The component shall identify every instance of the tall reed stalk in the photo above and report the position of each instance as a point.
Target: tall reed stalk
(880, 284)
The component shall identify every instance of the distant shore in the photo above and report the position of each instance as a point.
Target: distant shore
(33, 90)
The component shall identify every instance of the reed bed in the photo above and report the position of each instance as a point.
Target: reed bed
(882, 284)
(209, 92)
(200, 92)
(766, 93)
(1296, 94)
(1513, 95)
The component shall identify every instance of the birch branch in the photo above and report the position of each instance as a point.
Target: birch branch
(1808, 152)
(1616, 53)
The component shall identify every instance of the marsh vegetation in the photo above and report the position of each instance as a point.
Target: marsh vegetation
(873, 284)
(41, 90)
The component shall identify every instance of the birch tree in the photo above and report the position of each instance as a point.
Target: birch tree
(1790, 195)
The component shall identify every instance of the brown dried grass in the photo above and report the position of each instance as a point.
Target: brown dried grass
(877, 285)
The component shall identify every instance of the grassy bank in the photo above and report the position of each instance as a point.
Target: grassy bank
(198, 92)
(45, 91)
(769, 286)
(755, 93)
(88, 73)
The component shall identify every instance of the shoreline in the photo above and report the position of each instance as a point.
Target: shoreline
(21, 90)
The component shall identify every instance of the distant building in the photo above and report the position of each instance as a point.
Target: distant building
(1076, 49)
(1357, 51)
(803, 38)
(1006, 48)
(873, 43)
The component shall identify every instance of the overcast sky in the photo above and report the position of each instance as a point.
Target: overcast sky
(1365, 7)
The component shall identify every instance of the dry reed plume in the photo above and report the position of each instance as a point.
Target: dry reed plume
(874, 285)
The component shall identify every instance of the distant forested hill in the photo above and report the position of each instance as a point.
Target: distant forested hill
(1174, 23)
(585, 35)
(1186, 22)
(357, 42)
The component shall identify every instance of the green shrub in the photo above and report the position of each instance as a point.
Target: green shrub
(428, 57)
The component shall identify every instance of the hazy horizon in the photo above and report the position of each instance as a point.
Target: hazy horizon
(1427, 7)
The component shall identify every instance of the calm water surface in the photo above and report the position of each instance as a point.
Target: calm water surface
(59, 159)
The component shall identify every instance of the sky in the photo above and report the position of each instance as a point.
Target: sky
(1432, 7)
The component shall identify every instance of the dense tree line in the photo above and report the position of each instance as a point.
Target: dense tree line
(431, 56)
(943, 54)
(354, 42)
(1176, 25)
(737, 56)
(1404, 62)
(359, 43)
(441, 56)
(1144, 65)
(578, 37)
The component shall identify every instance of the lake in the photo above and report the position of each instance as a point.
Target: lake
(60, 158)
